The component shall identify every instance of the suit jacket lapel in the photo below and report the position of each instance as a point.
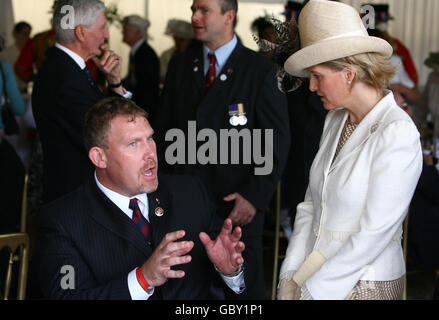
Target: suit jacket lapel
(107, 214)
(365, 129)
(197, 70)
(68, 59)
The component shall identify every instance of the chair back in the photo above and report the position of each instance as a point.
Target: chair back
(23, 219)
(16, 242)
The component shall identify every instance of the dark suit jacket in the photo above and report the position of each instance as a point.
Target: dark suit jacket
(423, 227)
(247, 78)
(307, 117)
(61, 96)
(146, 68)
(85, 230)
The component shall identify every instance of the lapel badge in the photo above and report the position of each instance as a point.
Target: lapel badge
(374, 127)
(159, 211)
(196, 65)
(237, 115)
(223, 77)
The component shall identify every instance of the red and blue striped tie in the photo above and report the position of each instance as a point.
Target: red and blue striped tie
(139, 219)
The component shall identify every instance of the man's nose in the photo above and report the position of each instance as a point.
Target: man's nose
(195, 16)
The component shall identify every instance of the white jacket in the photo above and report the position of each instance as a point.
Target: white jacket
(354, 208)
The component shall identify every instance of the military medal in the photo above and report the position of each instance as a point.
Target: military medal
(233, 113)
(237, 115)
(234, 121)
(242, 120)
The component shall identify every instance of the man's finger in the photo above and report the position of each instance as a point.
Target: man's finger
(236, 234)
(230, 197)
(205, 239)
(240, 247)
(171, 237)
(174, 274)
(174, 261)
(176, 249)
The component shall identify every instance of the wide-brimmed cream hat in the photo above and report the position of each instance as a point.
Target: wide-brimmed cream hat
(328, 31)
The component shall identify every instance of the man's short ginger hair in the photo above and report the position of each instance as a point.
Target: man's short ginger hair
(98, 119)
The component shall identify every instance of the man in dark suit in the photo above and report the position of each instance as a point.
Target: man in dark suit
(64, 91)
(121, 235)
(222, 85)
(307, 117)
(144, 65)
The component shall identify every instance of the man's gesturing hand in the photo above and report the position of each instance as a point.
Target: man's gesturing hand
(157, 269)
(243, 212)
(226, 250)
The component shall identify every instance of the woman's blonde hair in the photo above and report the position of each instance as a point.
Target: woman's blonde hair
(371, 68)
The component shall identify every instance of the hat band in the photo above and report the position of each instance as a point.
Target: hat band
(344, 35)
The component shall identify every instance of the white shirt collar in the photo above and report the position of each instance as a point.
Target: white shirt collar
(123, 202)
(136, 46)
(222, 54)
(77, 58)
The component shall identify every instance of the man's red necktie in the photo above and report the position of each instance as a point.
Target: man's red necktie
(211, 73)
(139, 219)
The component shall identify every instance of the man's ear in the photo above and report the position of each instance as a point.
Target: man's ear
(230, 16)
(98, 157)
(80, 33)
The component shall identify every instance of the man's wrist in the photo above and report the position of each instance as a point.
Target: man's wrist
(142, 281)
(233, 274)
(114, 85)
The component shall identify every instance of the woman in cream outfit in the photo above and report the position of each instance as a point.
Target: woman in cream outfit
(346, 242)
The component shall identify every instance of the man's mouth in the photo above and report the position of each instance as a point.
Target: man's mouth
(149, 172)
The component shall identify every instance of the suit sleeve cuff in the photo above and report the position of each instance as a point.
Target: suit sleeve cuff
(136, 291)
(235, 283)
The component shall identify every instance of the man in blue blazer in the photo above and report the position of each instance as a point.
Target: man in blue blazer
(91, 244)
(64, 91)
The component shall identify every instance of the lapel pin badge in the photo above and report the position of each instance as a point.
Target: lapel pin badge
(159, 211)
(223, 77)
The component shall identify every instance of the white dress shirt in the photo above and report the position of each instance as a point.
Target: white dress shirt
(222, 54)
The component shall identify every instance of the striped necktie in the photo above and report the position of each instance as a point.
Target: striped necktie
(89, 77)
(139, 219)
(211, 73)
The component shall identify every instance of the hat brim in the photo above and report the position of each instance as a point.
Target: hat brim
(328, 50)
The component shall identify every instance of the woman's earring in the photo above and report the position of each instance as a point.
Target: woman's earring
(349, 83)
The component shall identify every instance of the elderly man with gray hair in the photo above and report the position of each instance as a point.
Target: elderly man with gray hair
(144, 67)
(64, 91)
